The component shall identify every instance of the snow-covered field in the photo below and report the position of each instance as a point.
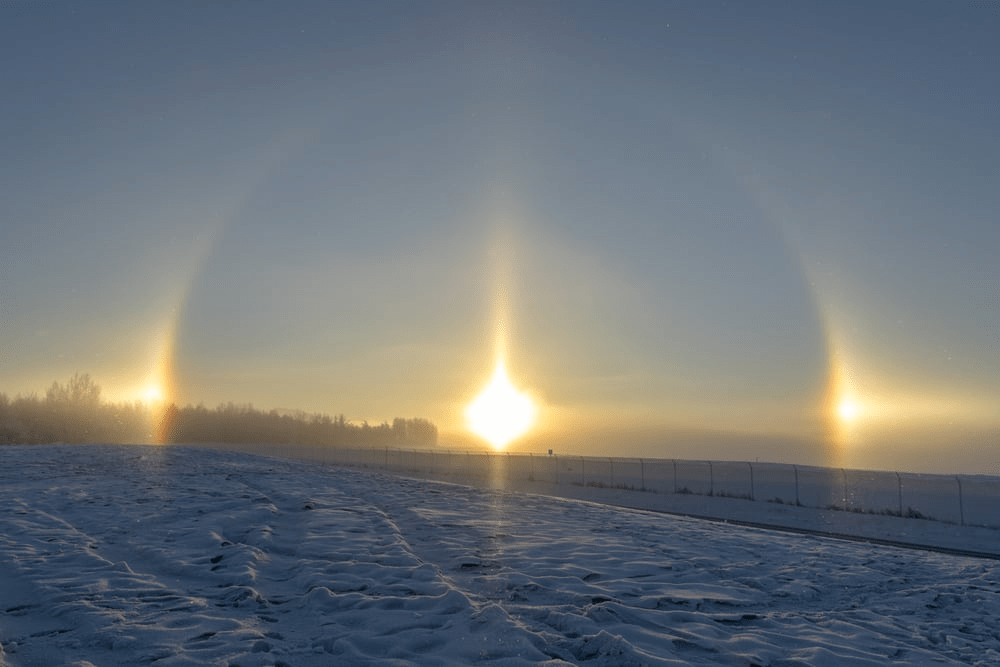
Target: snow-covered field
(178, 556)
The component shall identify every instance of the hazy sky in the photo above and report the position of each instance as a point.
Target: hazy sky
(707, 229)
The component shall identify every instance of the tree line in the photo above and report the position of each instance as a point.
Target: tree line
(74, 413)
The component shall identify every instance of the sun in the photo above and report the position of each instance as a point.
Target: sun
(500, 413)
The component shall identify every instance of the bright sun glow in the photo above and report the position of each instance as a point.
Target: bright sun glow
(152, 394)
(848, 410)
(500, 413)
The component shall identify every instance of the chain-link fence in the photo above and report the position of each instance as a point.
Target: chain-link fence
(970, 500)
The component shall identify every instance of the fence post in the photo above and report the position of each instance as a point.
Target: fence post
(899, 483)
(961, 508)
(750, 465)
(795, 469)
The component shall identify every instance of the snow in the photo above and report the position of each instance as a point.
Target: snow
(116, 555)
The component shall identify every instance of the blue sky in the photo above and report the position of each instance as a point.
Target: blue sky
(705, 225)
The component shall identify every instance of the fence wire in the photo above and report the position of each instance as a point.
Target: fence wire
(968, 500)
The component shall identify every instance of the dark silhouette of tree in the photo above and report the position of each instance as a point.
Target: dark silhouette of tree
(72, 409)
(74, 412)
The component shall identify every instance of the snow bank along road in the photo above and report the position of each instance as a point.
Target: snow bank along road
(178, 556)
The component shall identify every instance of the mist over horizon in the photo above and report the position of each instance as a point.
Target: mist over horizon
(75, 412)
